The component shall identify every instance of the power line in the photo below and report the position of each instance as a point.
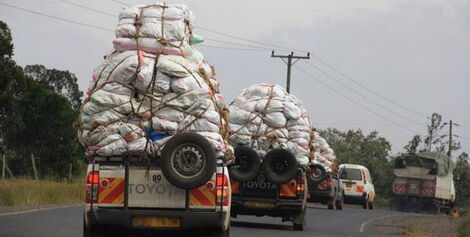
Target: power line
(363, 96)
(229, 48)
(56, 17)
(122, 3)
(367, 89)
(237, 44)
(88, 8)
(353, 101)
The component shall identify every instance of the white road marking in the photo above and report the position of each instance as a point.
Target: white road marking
(37, 209)
(363, 226)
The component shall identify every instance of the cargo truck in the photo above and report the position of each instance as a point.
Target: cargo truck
(423, 182)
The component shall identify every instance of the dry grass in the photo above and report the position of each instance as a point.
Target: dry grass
(27, 192)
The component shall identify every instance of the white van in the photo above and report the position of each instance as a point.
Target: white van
(358, 185)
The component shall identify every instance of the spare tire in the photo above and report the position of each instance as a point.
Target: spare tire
(246, 166)
(316, 173)
(188, 160)
(279, 166)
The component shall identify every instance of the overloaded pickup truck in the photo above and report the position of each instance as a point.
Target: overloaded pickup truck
(325, 188)
(183, 189)
(274, 187)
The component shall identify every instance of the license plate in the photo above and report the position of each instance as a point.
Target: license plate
(153, 190)
(155, 222)
(348, 185)
(259, 204)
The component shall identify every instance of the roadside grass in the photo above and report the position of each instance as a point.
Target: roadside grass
(28, 192)
(464, 227)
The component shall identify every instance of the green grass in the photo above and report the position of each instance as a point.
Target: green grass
(27, 192)
(464, 227)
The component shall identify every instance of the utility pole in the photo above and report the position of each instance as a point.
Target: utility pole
(289, 63)
(450, 139)
(3, 166)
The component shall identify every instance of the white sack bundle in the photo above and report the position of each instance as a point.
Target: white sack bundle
(265, 116)
(137, 100)
(323, 154)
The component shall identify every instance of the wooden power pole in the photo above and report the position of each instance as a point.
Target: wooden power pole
(289, 63)
(450, 139)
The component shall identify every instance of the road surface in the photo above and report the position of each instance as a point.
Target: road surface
(67, 221)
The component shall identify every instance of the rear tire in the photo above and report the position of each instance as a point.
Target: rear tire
(279, 166)
(298, 221)
(371, 206)
(340, 203)
(247, 165)
(331, 203)
(188, 160)
(92, 231)
(219, 232)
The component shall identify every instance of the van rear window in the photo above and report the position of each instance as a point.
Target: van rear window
(351, 174)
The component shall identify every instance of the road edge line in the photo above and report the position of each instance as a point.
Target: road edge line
(363, 226)
(37, 209)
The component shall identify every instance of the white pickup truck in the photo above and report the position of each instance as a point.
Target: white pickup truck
(128, 192)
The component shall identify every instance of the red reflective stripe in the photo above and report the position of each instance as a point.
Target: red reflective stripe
(201, 197)
(117, 191)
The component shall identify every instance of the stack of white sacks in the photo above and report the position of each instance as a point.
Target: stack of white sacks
(153, 86)
(265, 116)
(323, 154)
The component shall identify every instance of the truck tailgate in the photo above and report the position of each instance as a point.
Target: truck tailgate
(149, 188)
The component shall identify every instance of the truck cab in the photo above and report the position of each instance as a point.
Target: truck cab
(133, 193)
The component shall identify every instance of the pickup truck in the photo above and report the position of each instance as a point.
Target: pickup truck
(132, 193)
(328, 190)
(262, 195)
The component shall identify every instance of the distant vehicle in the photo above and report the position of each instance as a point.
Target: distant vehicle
(325, 188)
(423, 182)
(358, 185)
(277, 187)
(190, 192)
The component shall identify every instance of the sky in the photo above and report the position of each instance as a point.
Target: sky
(381, 65)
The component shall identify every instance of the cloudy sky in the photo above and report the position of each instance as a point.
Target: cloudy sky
(377, 65)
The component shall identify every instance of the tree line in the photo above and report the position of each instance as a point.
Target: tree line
(38, 107)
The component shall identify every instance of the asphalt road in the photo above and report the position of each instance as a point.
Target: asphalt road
(67, 221)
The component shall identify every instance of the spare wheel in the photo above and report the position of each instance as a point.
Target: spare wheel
(316, 173)
(279, 166)
(188, 160)
(246, 166)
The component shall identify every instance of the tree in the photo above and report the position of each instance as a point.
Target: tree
(370, 150)
(462, 180)
(61, 82)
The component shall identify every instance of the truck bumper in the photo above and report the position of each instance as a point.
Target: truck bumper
(357, 200)
(277, 208)
(320, 196)
(123, 217)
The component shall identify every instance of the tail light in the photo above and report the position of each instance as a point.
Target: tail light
(91, 189)
(221, 189)
(364, 176)
(300, 185)
(235, 187)
(359, 188)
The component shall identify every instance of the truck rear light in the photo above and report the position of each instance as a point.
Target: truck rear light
(92, 187)
(364, 179)
(300, 185)
(222, 192)
(235, 187)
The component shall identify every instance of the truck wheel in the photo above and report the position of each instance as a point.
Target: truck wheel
(219, 232)
(340, 203)
(279, 166)
(247, 165)
(331, 203)
(91, 231)
(317, 173)
(371, 205)
(298, 221)
(188, 160)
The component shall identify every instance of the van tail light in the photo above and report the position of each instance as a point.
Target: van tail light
(91, 189)
(364, 176)
(221, 190)
(300, 185)
(359, 188)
